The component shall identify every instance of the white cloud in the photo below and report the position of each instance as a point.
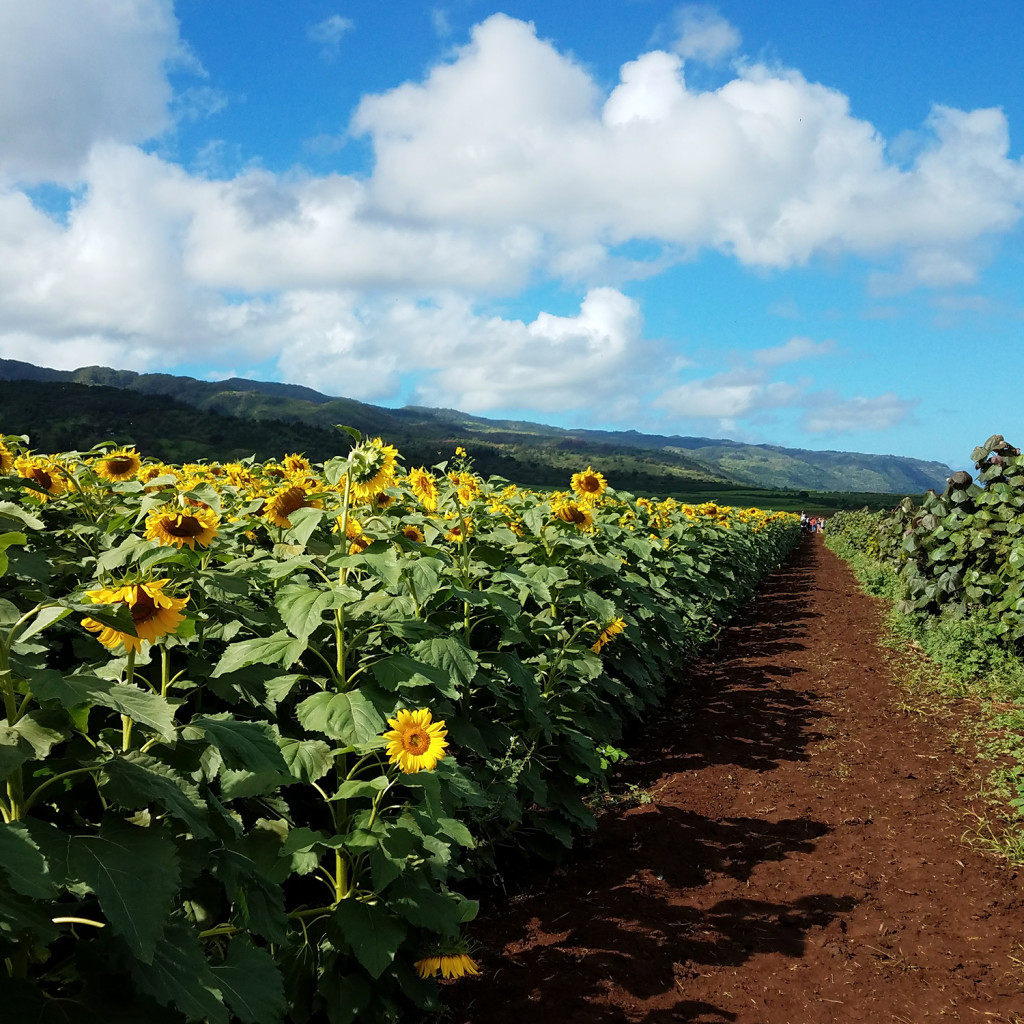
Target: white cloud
(770, 167)
(329, 33)
(704, 34)
(72, 75)
(793, 351)
(830, 414)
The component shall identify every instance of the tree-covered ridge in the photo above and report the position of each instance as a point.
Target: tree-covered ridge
(529, 452)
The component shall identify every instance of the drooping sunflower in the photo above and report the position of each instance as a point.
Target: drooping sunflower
(173, 525)
(154, 613)
(6, 458)
(424, 486)
(44, 472)
(448, 965)
(120, 464)
(286, 500)
(415, 742)
(413, 532)
(372, 468)
(589, 484)
(614, 628)
(573, 512)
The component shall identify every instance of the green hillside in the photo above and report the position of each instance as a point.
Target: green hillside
(264, 418)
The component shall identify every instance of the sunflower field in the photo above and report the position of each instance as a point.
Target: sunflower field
(264, 721)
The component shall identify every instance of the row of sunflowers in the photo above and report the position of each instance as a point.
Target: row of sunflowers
(265, 723)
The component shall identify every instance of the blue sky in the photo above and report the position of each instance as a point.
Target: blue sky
(783, 222)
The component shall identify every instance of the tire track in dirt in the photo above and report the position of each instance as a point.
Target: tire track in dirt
(801, 861)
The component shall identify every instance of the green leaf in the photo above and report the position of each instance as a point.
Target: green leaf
(302, 608)
(249, 746)
(6, 540)
(14, 751)
(178, 975)
(8, 510)
(304, 523)
(348, 717)
(278, 649)
(399, 671)
(251, 984)
(307, 760)
(73, 691)
(136, 780)
(134, 874)
(372, 932)
(457, 831)
(450, 655)
(355, 788)
(44, 617)
(42, 730)
(23, 862)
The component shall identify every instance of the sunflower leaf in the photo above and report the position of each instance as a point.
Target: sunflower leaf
(249, 746)
(278, 649)
(251, 983)
(372, 932)
(23, 862)
(348, 717)
(136, 780)
(134, 874)
(302, 608)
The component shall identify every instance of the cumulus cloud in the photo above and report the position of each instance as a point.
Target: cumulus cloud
(770, 168)
(704, 35)
(74, 75)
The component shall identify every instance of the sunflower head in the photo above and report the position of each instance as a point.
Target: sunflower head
(575, 513)
(154, 613)
(120, 464)
(371, 468)
(286, 500)
(44, 473)
(6, 458)
(424, 486)
(173, 525)
(415, 742)
(614, 628)
(413, 532)
(589, 484)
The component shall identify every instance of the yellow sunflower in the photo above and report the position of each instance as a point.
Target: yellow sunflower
(120, 464)
(372, 468)
(6, 459)
(154, 613)
(413, 532)
(589, 484)
(44, 472)
(173, 525)
(424, 486)
(298, 464)
(614, 628)
(415, 743)
(286, 500)
(449, 965)
(572, 512)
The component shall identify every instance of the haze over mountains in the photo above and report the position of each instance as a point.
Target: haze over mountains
(77, 408)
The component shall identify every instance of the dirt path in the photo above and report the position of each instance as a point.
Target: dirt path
(801, 861)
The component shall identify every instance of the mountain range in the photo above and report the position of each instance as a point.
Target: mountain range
(63, 409)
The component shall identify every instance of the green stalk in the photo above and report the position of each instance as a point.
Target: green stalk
(126, 722)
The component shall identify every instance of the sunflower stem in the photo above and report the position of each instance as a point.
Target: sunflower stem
(126, 722)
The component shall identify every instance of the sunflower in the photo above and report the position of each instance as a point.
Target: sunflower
(296, 464)
(413, 533)
(614, 628)
(589, 484)
(414, 742)
(154, 471)
(154, 613)
(372, 468)
(424, 486)
(449, 965)
(572, 512)
(6, 459)
(286, 500)
(172, 525)
(44, 472)
(456, 536)
(120, 464)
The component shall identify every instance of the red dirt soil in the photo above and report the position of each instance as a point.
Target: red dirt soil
(801, 861)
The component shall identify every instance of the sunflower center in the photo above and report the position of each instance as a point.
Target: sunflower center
(590, 484)
(182, 526)
(120, 464)
(144, 607)
(292, 500)
(42, 478)
(416, 741)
